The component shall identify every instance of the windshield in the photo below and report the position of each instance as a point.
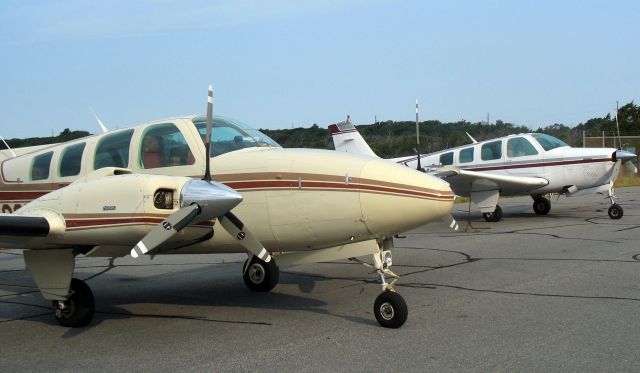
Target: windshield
(548, 142)
(229, 135)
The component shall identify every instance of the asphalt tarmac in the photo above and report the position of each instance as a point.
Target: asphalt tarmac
(530, 293)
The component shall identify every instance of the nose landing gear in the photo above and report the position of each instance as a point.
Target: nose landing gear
(389, 308)
(615, 211)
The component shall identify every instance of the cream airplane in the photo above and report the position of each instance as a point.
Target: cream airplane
(532, 164)
(139, 191)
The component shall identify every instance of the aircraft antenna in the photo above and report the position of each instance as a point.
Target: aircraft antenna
(207, 143)
(618, 128)
(103, 128)
(418, 167)
(13, 154)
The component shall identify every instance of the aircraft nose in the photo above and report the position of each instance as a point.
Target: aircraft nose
(624, 156)
(215, 199)
(399, 198)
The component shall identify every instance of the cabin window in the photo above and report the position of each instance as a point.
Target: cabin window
(466, 155)
(113, 150)
(520, 147)
(491, 151)
(163, 145)
(446, 158)
(40, 166)
(71, 160)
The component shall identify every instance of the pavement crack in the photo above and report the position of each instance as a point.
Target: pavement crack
(182, 317)
(506, 292)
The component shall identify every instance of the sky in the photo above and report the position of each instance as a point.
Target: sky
(282, 63)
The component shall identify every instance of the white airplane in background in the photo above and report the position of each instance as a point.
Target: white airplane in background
(141, 191)
(532, 164)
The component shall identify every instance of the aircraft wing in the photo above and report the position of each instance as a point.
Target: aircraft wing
(464, 182)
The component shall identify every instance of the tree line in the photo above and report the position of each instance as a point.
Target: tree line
(398, 138)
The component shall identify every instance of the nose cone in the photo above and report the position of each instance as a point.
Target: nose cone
(214, 199)
(400, 198)
(624, 156)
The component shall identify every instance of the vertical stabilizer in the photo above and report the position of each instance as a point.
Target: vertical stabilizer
(346, 138)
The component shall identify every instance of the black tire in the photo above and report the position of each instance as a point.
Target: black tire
(78, 309)
(390, 309)
(541, 206)
(259, 275)
(615, 211)
(494, 216)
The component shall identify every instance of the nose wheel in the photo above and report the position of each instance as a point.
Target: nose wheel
(615, 211)
(77, 311)
(390, 309)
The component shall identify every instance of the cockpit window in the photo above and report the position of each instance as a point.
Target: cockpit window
(548, 142)
(163, 145)
(520, 147)
(229, 135)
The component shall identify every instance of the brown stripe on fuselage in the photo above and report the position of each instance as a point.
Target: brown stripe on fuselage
(269, 181)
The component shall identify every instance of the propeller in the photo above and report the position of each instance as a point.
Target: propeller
(627, 158)
(204, 200)
(451, 222)
(207, 144)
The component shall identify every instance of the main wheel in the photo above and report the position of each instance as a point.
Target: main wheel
(259, 275)
(78, 309)
(390, 309)
(494, 216)
(615, 211)
(541, 206)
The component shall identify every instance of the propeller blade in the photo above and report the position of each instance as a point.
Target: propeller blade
(419, 166)
(451, 222)
(204, 200)
(207, 142)
(237, 229)
(164, 231)
(631, 166)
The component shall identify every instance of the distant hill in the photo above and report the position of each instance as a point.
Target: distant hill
(65, 135)
(394, 139)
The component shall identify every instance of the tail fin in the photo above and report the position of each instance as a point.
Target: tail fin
(346, 138)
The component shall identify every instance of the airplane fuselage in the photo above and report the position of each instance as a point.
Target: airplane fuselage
(562, 166)
(294, 199)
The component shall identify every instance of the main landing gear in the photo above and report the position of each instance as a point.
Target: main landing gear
(494, 216)
(259, 275)
(78, 309)
(541, 205)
